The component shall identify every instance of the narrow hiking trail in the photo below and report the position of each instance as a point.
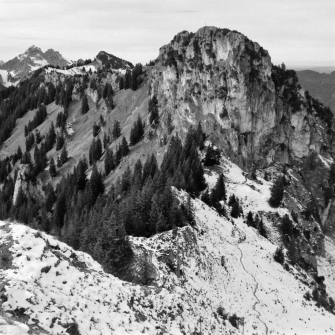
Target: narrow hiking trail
(241, 239)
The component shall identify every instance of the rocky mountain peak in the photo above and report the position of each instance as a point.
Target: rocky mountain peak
(55, 58)
(32, 59)
(33, 50)
(110, 60)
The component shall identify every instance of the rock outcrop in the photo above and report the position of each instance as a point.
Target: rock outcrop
(226, 81)
(255, 112)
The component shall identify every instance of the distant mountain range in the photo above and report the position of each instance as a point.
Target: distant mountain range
(320, 85)
(24, 65)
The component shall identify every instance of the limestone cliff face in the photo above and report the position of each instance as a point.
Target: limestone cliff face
(257, 113)
(225, 80)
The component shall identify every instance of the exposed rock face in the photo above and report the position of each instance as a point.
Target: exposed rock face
(223, 79)
(55, 58)
(256, 113)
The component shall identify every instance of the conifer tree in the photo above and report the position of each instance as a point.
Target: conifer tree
(109, 161)
(59, 162)
(52, 168)
(38, 137)
(105, 91)
(250, 219)
(96, 184)
(212, 156)
(134, 80)
(60, 142)
(279, 255)
(96, 130)
(127, 79)
(124, 147)
(219, 191)
(121, 84)
(63, 155)
(206, 198)
(116, 130)
(51, 137)
(277, 192)
(19, 153)
(84, 105)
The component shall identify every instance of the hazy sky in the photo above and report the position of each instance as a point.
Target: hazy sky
(297, 32)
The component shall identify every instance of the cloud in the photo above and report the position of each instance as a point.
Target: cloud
(135, 30)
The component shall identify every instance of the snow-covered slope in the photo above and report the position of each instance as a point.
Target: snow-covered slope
(199, 277)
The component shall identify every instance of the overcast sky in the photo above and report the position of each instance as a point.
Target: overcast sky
(296, 32)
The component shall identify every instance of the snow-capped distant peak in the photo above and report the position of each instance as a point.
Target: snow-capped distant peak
(31, 60)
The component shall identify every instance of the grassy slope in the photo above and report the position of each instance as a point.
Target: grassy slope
(128, 105)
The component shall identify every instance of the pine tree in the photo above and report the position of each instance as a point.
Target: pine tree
(206, 198)
(250, 219)
(52, 168)
(51, 137)
(277, 193)
(97, 149)
(279, 255)
(96, 130)
(219, 191)
(124, 147)
(200, 137)
(127, 79)
(212, 156)
(19, 153)
(96, 184)
(134, 80)
(60, 142)
(116, 130)
(109, 161)
(38, 137)
(84, 105)
(235, 212)
(63, 155)
(121, 84)
(81, 174)
(105, 91)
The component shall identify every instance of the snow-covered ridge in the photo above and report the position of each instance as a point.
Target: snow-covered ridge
(198, 275)
(73, 71)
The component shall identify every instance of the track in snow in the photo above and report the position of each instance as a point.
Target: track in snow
(242, 238)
